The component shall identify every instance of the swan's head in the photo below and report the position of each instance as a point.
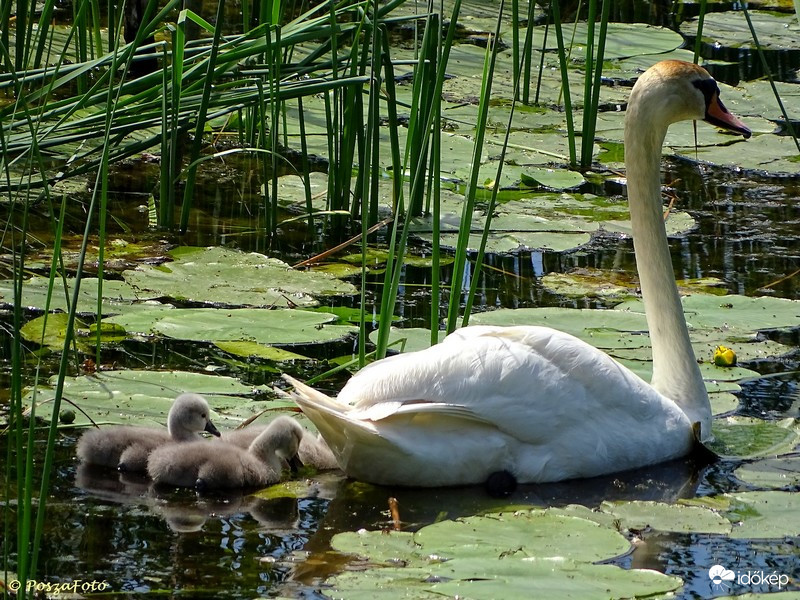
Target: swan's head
(674, 90)
(189, 415)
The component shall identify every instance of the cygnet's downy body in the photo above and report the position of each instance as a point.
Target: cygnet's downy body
(127, 447)
(221, 466)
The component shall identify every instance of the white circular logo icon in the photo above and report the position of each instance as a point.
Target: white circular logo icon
(719, 574)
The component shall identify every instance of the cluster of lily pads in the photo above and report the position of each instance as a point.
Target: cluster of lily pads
(559, 553)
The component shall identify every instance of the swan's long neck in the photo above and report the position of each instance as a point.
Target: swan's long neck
(676, 374)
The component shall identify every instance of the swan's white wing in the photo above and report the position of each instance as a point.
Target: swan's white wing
(531, 399)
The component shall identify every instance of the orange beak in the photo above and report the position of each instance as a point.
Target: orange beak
(718, 115)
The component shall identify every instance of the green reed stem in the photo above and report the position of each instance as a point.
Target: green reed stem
(698, 41)
(464, 231)
(562, 60)
(397, 246)
(208, 82)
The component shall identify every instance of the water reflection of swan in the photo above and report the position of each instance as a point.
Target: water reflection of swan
(127, 448)
(532, 401)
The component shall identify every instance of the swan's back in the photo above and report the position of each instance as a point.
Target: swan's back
(537, 402)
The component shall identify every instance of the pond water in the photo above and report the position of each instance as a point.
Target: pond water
(112, 528)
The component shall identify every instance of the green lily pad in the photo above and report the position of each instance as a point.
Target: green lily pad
(771, 472)
(536, 533)
(253, 349)
(746, 437)
(723, 402)
(282, 326)
(554, 221)
(729, 30)
(592, 283)
(765, 596)
(528, 553)
(49, 330)
(557, 579)
(117, 295)
(624, 40)
(660, 516)
(145, 397)
(760, 515)
(221, 276)
(556, 179)
(408, 339)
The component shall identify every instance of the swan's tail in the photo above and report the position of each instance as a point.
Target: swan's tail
(306, 396)
(336, 422)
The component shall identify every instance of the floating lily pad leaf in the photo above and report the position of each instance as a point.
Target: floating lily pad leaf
(771, 154)
(253, 349)
(729, 30)
(221, 276)
(558, 579)
(408, 339)
(554, 221)
(745, 437)
(144, 397)
(765, 596)
(557, 179)
(281, 326)
(578, 322)
(742, 313)
(759, 100)
(539, 553)
(118, 254)
(49, 330)
(291, 189)
(592, 283)
(536, 533)
(625, 39)
(771, 472)
(638, 515)
(390, 547)
(117, 295)
(760, 515)
(636, 65)
(337, 269)
(722, 402)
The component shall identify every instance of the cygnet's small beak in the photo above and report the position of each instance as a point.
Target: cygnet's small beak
(211, 429)
(295, 464)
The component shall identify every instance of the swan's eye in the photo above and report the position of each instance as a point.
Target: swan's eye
(708, 87)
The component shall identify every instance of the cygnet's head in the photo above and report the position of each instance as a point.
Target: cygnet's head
(279, 442)
(189, 415)
(674, 90)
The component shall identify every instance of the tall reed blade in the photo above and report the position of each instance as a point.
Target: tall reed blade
(468, 208)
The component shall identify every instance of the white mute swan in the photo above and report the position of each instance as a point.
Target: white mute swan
(534, 402)
(217, 465)
(127, 448)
